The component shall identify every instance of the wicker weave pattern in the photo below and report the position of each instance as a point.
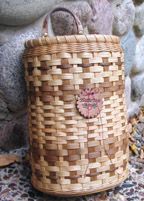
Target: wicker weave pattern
(72, 155)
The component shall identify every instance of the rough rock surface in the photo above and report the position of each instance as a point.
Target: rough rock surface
(63, 23)
(102, 19)
(128, 43)
(139, 20)
(137, 86)
(6, 33)
(139, 57)
(13, 95)
(124, 13)
(20, 12)
(14, 131)
(12, 83)
(13, 126)
(132, 107)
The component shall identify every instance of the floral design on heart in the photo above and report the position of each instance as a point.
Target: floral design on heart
(89, 102)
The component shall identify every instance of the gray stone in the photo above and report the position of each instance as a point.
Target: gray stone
(95, 15)
(13, 126)
(138, 144)
(139, 57)
(124, 13)
(20, 12)
(63, 23)
(101, 21)
(6, 33)
(140, 127)
(128, 43)
(12, 82)
(14, 133)
(13, 96)
(132, 107)
(4, 112)
(128, 90)
(137, 86)
(139, 20)
(118, 197)
(142, 102)
(137, 137)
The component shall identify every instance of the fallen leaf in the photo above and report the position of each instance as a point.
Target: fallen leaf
(140, 160)
(142, 154)
(131, 138)
(134, 148)
(133, 121)
(7, 159)
(101, 197)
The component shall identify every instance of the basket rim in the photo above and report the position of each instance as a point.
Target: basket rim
(87, 38)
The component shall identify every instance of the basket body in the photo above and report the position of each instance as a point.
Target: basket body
(72, 154)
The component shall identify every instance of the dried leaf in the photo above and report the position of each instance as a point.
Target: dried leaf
(134, 148)
(7, 159)
(131, 138)
(133, 130)
(140, 160)
(142, 154)
(133, 121)
(141, 117)
(101, 197)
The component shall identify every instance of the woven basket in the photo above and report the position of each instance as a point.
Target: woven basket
(77, 114)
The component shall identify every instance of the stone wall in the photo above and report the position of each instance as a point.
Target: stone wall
(21, 20)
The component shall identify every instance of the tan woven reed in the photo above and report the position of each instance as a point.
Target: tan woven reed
(72, 155)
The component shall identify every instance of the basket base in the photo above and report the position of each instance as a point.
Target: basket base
(77, 193)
